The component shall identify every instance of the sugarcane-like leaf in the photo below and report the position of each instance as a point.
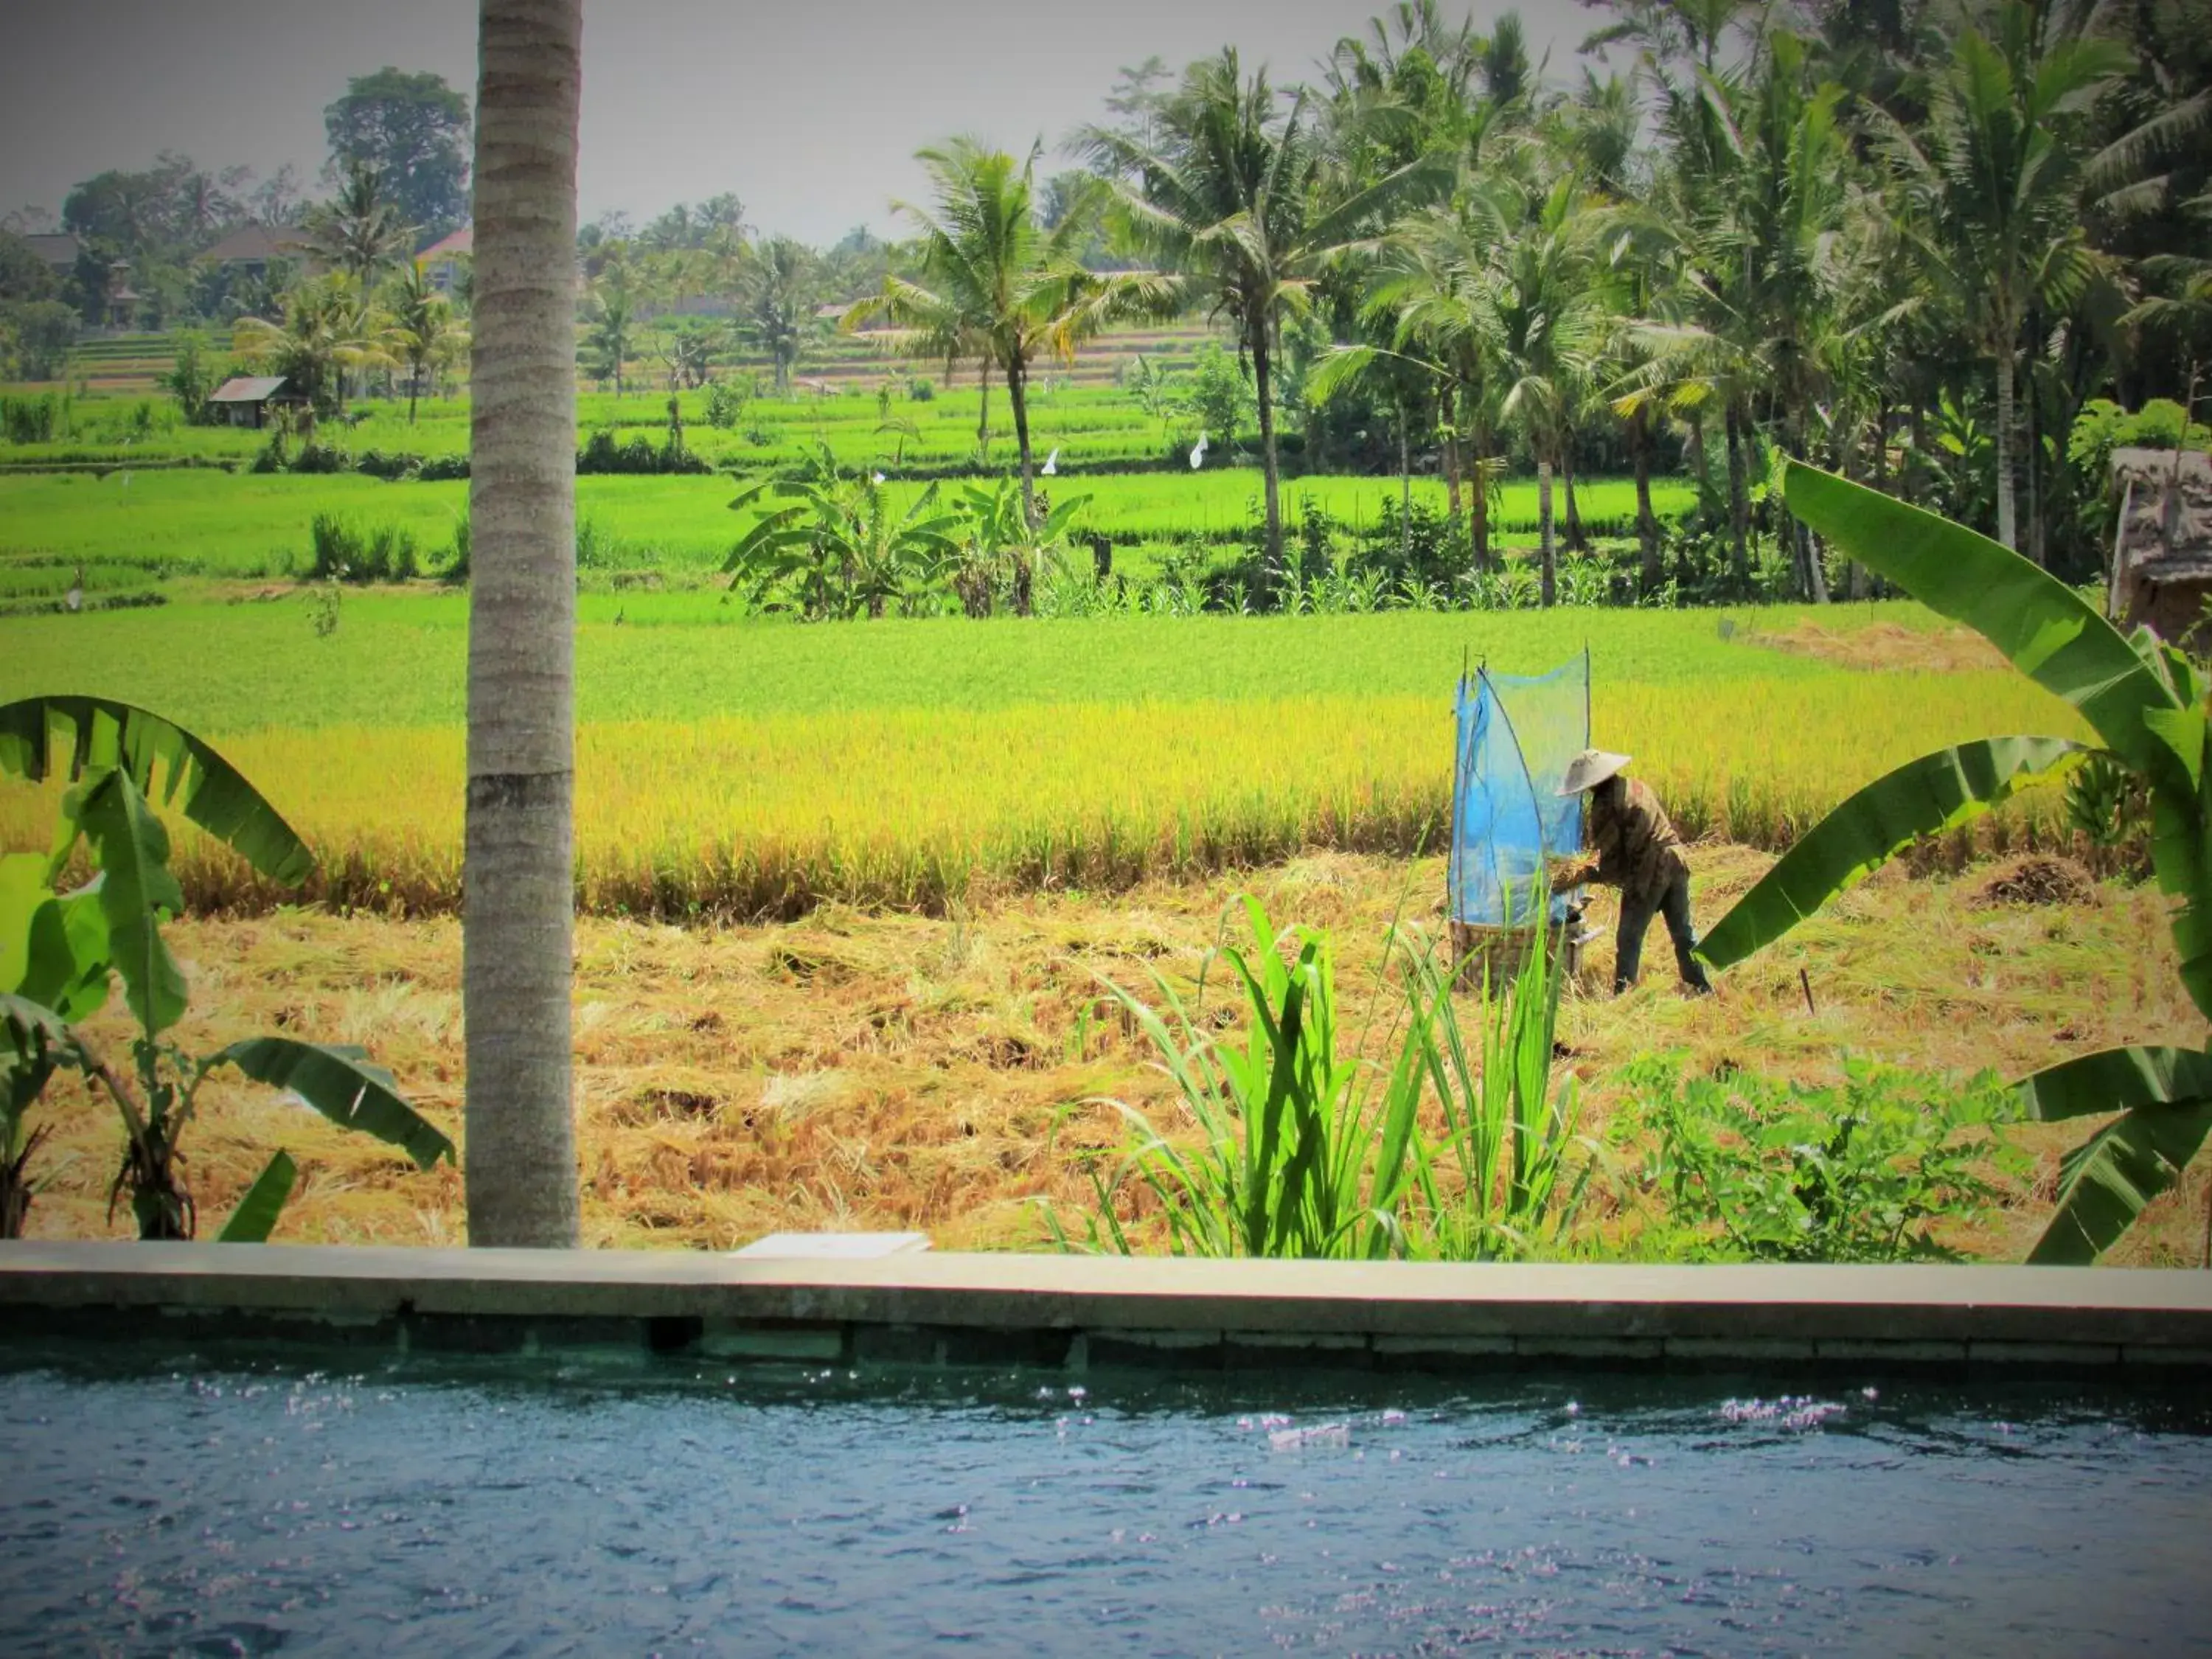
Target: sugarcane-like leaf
(256, 1212)
(1921, 797)
(202, 785)
(339, 1082)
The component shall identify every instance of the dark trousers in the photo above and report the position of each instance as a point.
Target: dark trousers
(1673, 903)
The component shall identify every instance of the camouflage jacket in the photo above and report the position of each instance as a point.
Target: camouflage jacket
(1636, 847)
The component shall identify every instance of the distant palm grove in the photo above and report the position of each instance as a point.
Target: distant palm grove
(1958, 251)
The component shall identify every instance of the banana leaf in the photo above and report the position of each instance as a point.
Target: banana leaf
(2046, 628)
(136, 891)
(338, 1082)
(256, 1212)
(53, 950)
(2165, 1099)
(202, 785)
(1921, 797)
(33, 1042)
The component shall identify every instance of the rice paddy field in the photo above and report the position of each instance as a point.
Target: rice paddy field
(756, 769)
(138, 533)
(851, 892)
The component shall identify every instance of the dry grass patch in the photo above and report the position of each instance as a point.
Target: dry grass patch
(893, 1070)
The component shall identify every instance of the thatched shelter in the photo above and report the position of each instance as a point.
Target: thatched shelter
(2162, 552)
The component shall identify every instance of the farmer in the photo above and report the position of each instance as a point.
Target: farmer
(1633, 847)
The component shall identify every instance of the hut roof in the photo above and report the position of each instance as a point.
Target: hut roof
(454, 245)
(2166, 527)
(255, 243)
(248, 389)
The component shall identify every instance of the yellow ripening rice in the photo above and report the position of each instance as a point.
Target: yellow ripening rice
(768, 815)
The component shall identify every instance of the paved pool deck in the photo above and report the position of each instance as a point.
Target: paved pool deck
(1078, 1312)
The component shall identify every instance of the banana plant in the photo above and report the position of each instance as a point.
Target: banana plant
(61, 951)
(2146, 703)
(844, 548)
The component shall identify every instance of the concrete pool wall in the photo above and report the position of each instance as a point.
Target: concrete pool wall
(1077, 1312)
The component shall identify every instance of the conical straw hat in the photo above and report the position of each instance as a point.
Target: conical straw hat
(1591, 769)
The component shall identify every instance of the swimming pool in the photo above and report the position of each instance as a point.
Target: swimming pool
(160, 1501)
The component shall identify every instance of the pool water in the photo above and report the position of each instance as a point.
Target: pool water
(219, 1506)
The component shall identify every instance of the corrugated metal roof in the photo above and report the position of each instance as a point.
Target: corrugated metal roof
(247, 389)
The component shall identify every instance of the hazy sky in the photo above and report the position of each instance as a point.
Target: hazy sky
(809, 110)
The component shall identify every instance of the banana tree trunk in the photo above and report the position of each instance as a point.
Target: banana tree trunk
(2008, 530)
(1548, 554)
(517, 921)
(1263, 388)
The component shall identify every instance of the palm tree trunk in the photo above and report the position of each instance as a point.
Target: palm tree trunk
(1270, 467)
(1405, 486)
(1448, 458)
(2031, 457)
(518, 915)
(1477, 454)
(1739, 505)
(1861, 584)
(983, 417)
(1577, 540)
(2008, 530)
(1647, 522)
(1017, 395)
(1549, 553)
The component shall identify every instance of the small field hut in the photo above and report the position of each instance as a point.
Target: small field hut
(248, 400)
(2163, 549)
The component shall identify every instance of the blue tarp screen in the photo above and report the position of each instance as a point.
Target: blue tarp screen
(1516, 736)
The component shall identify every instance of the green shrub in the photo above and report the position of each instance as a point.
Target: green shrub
(319, 458)
(341, 552)
(29, 420)
(1753, 1170)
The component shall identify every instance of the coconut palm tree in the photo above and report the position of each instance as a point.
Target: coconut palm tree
(517, 927)
(1552, 308)
(1232, 196)
(329, 329)
(995, 282)
(423, 329)
(360, 231)
(1994, 176)
(779, 284)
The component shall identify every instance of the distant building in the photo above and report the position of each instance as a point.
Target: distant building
(247, 400)
(444, 259)
(253, 249)
(58, 249)
(2162, 555)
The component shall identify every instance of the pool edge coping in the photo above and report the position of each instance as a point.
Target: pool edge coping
(1073, 1311)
